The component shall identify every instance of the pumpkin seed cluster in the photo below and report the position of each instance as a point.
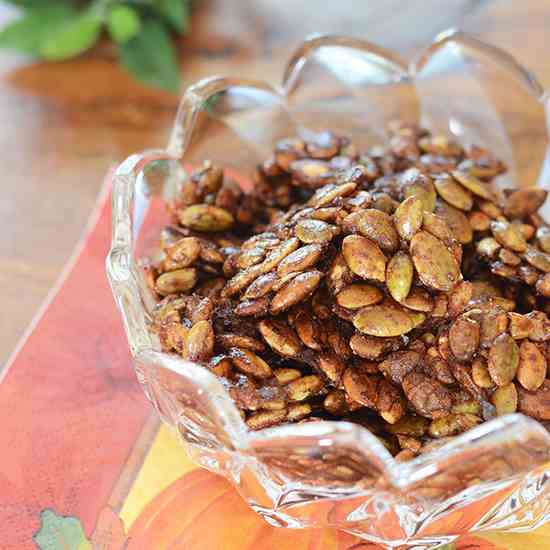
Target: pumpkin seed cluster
(397, 288)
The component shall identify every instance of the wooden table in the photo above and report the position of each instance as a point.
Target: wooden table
(66, 124)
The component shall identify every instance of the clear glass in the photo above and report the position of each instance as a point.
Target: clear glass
(494, 477)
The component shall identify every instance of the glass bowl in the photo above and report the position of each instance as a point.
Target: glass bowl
(493, 477)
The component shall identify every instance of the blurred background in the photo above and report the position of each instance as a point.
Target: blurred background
(84, 84)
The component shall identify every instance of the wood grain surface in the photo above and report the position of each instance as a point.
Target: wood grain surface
(65, 124)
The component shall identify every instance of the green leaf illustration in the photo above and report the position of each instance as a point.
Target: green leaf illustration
(60, 533)
(151, 58)
(28, 33)
(123, 23)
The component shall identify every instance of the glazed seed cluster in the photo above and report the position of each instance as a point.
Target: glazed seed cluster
(398, 288)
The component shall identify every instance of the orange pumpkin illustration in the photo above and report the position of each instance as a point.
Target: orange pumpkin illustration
(203, 511)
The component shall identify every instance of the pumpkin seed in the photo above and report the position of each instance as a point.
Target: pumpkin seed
(480, 373)
(221, 366)
(280, 337)
(440, 145)
(384, 320)
(261, 286)
(315, 231)
(503, 360)
(339, 274)
(300, 259)
(453, 193)
(378, 227)
(265, 419)
(464, 338)
(505, 399)
(397, 365)
(253, 308)
(429, 397)
(185, 251)
(532, 367)
(528, 274)
(528, 231)
(298, 411)
(399, 276)
(538, 259)
(172, 282)
(488, 247)
(307, 330)
(325, 195)
(332, 367)
(229, 340)
(390, 403)
(311, 173)
(456, 220)
(305, 387)
(479, 221)
(508, 235)
(285, 375)
(460, 297)
(282, 281)
(278, 254)
(358, 295)
(361, 387)
(288, 150)
(523, 202)
(438, 227)
(435, 264)
(323, 145)
(335, 402)
(419, 300)
(370, 347)
(411, 425)
(250, 257)
(508, 258)
(408, 217)
(205, 217)
(473, 184)
(453, 424)
(295, 291)
(250, 363)
(520, 326)
(493, 323)
(540, 327)
(423, 189)
(535, 404)
(364, 257)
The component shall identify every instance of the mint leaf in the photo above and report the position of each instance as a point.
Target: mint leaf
(175, 12)
(150, 56)
(58, 532)
(123, 23)
(29, 32)
(73, 38)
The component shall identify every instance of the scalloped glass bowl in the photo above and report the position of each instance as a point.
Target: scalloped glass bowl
(494, 477)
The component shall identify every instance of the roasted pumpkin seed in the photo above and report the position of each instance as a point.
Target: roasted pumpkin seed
(503, 360)
(435, 264)
(364, 257)
(408, 217)
(207, 218)
(453, 193)
(399, 276)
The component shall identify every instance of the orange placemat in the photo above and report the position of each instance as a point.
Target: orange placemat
(85, 463)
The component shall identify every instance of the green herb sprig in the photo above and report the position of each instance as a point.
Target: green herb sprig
(142, 30)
